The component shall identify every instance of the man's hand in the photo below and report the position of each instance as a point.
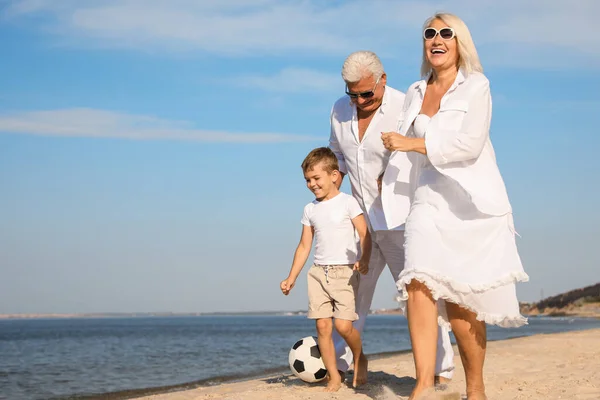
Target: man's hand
(362, 267)
(286, 286)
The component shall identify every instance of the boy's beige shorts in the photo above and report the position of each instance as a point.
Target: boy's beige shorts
(332, 291)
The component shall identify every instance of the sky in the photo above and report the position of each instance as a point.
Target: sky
(150, 150)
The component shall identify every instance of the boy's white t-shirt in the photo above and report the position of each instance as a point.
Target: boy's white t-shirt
(336, 241)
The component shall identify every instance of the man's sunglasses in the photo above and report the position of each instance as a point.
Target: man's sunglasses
(445, 33)
(363, 95)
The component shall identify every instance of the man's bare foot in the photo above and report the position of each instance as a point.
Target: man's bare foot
(342, 376)
(361, 367)
(334, 384)
(440, 380)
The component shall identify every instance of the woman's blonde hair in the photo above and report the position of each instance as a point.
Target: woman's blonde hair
(467, 53)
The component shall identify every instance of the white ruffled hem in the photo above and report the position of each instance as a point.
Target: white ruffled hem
(446, 289)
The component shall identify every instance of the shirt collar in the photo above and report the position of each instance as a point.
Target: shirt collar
(460, 78)
(385, 100)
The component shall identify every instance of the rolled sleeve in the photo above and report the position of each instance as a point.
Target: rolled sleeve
(334, 145)
(342, 165)
(434, 149)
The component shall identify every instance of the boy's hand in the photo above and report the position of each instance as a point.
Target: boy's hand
(286, 286)
(362, 267)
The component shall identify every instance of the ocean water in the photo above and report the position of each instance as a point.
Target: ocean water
(88, 358)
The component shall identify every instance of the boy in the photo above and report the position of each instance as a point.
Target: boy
(333, 219)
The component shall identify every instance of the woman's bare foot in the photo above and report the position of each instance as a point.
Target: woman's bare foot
(334, 382)
(438, 391)
(421, 392)
(449, 396)
(476, 395)
(361, 367)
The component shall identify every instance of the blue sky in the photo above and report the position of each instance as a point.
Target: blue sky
(150, 150)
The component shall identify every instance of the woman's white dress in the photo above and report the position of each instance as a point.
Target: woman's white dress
(462, 255)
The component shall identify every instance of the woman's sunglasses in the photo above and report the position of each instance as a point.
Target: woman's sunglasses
(445, 33)
(363, 95)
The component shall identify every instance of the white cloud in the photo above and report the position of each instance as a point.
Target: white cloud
(292, 80)
(538, 32)
(86, 122)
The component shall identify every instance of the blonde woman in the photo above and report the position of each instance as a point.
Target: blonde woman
(461, 258)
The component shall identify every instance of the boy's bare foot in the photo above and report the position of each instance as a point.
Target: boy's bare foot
(334, 383)
(361, 367)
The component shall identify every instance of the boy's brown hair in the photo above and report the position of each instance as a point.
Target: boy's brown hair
(320, 155)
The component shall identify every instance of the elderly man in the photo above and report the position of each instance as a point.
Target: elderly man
(357, 121)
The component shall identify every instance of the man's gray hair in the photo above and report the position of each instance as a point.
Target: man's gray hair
(361, 64)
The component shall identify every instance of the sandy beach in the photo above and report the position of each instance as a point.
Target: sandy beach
(556, 366)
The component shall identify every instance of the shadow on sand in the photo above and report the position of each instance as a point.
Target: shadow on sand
(381, 385)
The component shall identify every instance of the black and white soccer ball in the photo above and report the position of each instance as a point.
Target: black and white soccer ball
(305, 360)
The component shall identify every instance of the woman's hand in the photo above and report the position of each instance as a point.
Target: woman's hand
(396, 142)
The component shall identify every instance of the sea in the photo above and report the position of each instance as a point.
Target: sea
(119, 358)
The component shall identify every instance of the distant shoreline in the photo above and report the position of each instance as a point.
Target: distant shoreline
(582, 313)
(580, 303)
(169, 314)
(144, 314)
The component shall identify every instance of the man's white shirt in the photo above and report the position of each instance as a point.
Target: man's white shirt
(364, 161)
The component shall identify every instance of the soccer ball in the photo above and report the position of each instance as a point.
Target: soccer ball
(305, 360)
